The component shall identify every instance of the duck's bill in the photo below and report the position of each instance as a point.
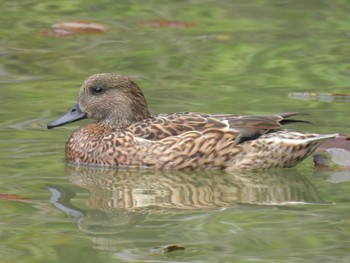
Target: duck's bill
(73, 115)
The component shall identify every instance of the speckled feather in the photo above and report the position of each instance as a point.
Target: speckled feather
(126, 135)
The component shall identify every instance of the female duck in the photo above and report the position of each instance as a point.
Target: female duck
(125, 134)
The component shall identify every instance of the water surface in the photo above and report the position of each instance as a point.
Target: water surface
(237, 57)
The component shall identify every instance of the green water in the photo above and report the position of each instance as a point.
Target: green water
(239, 57)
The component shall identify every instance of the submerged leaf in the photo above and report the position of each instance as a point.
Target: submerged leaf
(166, 249)
(167, 23)
(82, 26)
(71, 28)
(334, 177)
(13, 197)
(339, 177)
(56, 32)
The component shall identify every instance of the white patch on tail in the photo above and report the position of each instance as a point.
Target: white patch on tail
(299, 140)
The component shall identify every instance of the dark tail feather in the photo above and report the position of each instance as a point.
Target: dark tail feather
(283, 122)
(289, 114)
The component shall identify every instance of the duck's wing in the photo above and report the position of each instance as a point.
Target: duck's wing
(248, 127)
(165, 125)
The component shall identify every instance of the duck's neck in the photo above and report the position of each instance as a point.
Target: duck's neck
(122, 122)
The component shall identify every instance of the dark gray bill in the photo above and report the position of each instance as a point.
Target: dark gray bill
(73, 115)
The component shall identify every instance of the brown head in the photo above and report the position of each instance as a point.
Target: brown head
(111, 99)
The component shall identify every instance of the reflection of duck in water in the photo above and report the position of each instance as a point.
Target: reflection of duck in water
(157, 191)
(120, 200)
(126, 135)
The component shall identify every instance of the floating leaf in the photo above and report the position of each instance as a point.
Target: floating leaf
(342, 142)
(167, 23)
(333, 164)
(334, 154)
(322, 161)
(332, 159)
(13, 197)
(339, 156)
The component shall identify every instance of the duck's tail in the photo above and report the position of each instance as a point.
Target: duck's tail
(323, 137)
(278, 149)
(285, 118)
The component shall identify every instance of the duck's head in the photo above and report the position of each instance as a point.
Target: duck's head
(111, 99)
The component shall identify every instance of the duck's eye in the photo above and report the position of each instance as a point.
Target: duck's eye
(97, 90)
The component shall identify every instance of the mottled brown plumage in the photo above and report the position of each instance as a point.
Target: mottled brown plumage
(125, 134)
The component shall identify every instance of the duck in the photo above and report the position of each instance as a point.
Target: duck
(125, 134)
